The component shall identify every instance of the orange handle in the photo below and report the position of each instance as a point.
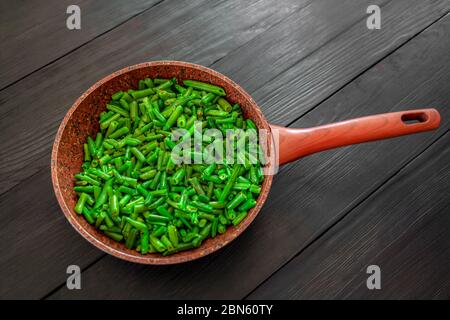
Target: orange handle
(297, 143)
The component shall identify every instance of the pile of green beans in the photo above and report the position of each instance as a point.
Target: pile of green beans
(131, 189)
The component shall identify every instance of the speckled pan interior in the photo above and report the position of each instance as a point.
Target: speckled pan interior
(82, 120)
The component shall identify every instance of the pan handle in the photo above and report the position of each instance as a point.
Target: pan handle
(297, 143)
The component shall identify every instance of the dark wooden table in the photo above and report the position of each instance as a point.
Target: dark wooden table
(328, 217)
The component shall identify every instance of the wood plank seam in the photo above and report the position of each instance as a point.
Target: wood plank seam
(354, 207)
(315, 51)
(80, 46)
(361, 73)
(348, 211)
(134, 16)
(303, 58)
(56, 289)
(368, 68)
(399, 178)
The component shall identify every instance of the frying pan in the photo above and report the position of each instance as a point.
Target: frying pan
(282, 146)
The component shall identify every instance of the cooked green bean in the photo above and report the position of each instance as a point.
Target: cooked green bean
(119, 132)
(250, 203)
(117, 110)
(115, 236)
(205, 87)
(226, 106)
(239, 218)
(142, 93)
(240, 197)
(80, 204)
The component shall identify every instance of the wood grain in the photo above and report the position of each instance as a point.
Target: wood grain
(325, 71)
(194, 34)
(33, 257)
(308, 196)
(300, 35)
(402, 228)
(35, 34)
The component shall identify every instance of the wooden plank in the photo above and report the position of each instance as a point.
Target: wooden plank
(312, 80)
(402, 228)
(298, 37)
(35, 33)
(307, 196)
(28, 125)
(207, 31)
(33, 256)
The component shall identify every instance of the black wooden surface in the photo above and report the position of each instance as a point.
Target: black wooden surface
(406, 235)
(34, 34)
(306, 62)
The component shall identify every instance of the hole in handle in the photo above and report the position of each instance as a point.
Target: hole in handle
(413, 118)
